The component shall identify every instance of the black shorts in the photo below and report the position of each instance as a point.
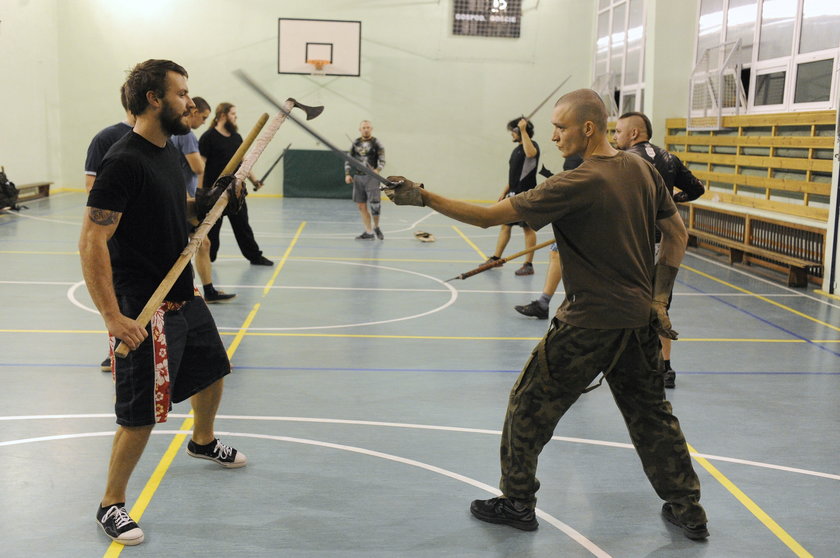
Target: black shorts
(183, 355)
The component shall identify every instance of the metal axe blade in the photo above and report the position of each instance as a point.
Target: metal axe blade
(358, 165)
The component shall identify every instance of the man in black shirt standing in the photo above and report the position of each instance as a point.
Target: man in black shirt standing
(135, 229)
(522, 176)
(217, 145)
(632, 134)
(369, 151)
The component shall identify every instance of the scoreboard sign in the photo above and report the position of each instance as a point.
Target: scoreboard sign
(487, 18)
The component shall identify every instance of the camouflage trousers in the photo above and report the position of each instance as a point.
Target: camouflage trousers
(561, 367)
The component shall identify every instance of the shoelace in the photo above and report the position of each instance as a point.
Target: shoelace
(222, 450)
(121, 517)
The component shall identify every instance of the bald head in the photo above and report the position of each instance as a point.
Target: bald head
(586, 105)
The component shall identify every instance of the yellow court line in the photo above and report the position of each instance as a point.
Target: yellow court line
(763, 298)
(829, 295)
(760, 514)
(283, 259)
(470, 242)
(33, 253)
(139, 507)
(242, 331)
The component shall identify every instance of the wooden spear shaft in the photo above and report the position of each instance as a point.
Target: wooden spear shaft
(213, 215)
(500, 261)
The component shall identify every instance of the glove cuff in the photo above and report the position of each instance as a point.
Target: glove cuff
(663, 282)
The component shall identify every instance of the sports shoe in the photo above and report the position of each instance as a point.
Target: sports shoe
(106, 365)
(262, 260)
(217, 296)
(505, 512)
(533, 309)
(492, 259)
(378, 232)
(118, 525)
(670, 378)
(693, 532)
(216, 451)
(365, 236)
(526, 269)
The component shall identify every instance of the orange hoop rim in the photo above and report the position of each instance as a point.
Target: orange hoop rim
(318, 63)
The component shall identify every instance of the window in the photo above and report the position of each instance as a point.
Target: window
(618, 69)
(789, 49)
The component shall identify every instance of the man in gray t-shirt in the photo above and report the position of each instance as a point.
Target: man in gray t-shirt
(603, 214)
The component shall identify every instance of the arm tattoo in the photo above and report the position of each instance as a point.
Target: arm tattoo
(103, 217)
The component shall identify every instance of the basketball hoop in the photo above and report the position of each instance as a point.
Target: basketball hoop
(318, 66)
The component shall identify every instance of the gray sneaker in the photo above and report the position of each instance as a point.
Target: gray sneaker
(505, 512)
(365, 236)
(378, 232)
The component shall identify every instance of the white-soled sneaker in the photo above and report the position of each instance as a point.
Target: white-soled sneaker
(118, 525)
(216, 451)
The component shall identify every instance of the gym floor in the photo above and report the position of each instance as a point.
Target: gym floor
(368, 395)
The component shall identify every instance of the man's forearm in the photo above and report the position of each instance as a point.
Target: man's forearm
(469, 213)
(96, 270)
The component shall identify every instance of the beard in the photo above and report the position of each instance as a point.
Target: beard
(230, 127)
(173, 124)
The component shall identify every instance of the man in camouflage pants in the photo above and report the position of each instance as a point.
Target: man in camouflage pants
(603, 214)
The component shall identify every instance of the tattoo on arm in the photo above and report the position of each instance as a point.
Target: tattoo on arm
(103, 217)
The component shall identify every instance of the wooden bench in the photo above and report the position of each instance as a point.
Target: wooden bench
(797, 267)
(33, 191)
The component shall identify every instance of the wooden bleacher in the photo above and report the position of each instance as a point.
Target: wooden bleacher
(768, 185)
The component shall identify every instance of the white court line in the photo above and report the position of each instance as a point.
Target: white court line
(585, 441)
(49, 220)
(761, 279)
(573, 534)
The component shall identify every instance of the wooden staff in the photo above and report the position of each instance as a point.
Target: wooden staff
(499, 262)
(198, 237)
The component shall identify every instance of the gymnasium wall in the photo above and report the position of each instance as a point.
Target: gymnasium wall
(438, 102)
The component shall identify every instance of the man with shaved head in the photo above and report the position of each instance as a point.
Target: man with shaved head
(632, 134)
(603, 214)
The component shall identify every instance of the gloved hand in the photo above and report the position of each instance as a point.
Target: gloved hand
(206, 198)
(407, 193)
(660, 320)
(663, 283)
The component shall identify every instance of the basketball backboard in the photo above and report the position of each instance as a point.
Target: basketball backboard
(337, 42)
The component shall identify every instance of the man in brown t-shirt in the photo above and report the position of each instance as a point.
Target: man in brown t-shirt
(603, 214)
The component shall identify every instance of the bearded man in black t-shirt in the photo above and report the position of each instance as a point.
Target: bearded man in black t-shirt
(217, 146)
(135, 229)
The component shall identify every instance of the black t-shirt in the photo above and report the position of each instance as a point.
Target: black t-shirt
(100, 144)
(522, 175)
(145, 184)
(218, 150)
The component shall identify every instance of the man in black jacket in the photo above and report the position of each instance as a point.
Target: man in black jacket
(632, 134)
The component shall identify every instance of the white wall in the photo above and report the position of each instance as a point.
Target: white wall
(30, 143)
(439, 103)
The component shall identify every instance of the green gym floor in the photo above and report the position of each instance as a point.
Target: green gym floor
(368, 395)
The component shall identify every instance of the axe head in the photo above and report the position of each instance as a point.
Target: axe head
(311, 112)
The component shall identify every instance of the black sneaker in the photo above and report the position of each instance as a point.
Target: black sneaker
(505, 512)
(118, 525)
(693, 532)
(106, 365)
(526, 269)
(492, 259)
(365, 236)
(533, 310)
(378, 232)
(670, 378)
(262, 260)
(216, 451)
(217, 296)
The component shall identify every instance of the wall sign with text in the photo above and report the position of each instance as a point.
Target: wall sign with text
(487, 18)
